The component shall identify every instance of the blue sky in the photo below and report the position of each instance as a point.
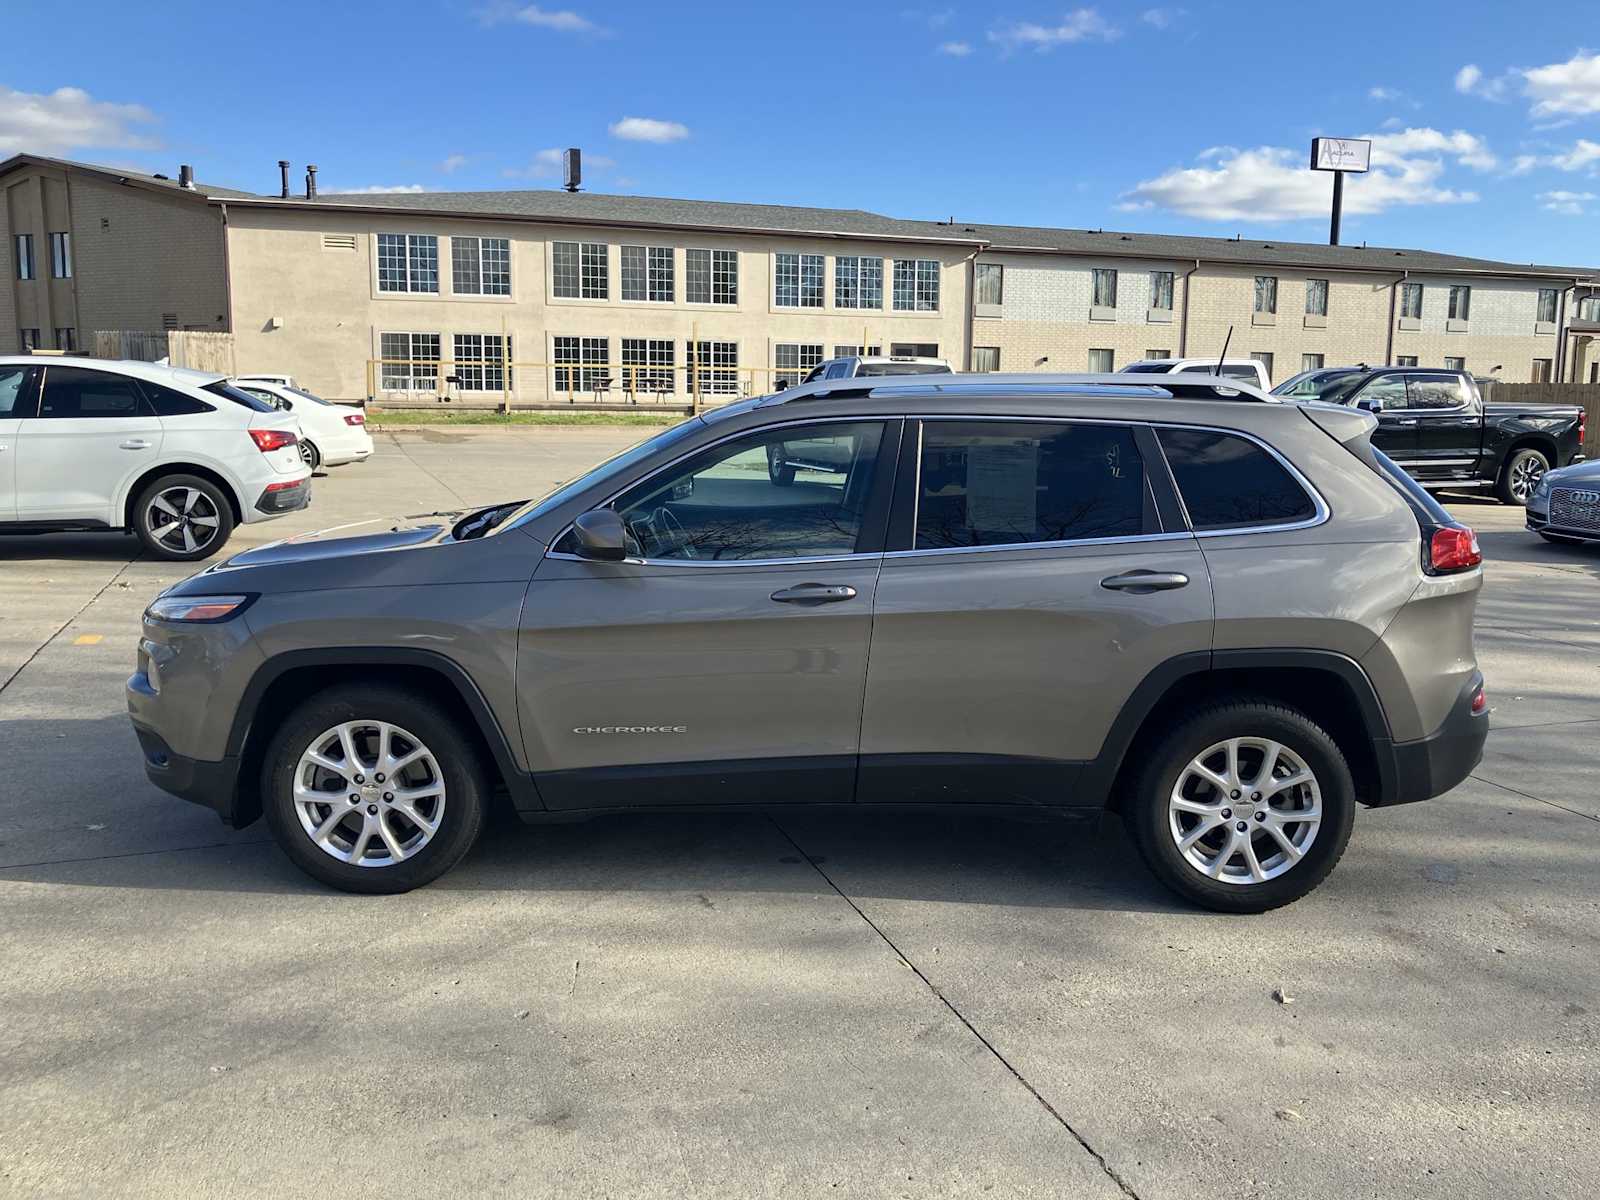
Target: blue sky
(1187, 117)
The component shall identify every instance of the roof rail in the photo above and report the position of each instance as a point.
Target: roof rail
(1187, 386)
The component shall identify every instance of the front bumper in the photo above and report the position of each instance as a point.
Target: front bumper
(1538, 521)
(1433, 765)
(213, 785)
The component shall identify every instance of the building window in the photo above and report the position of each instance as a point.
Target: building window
(1589, 308)
(408, 262)
(916, 285)
(647, 274)
(582, 363)
(480, 266)
(1105, 288)
(581, 270)
(715, 367)
(989, 279)
(29, 338)
(857, 282)
(1159, 355)
(61, 255)
(1266, 293)
(1264, 357)
(1548, 299)
(1316, 297)
(1311, 362)
(1460, 303)
(66, 338)
(797, 280)
(986, 358)
(711, 276)
(647, 365)
(1102, 362)
(481, 362)
(1411, 300)
(912, 349)
(856, 351)
(1406, 360)
(24, 256)
(410, 362)
(1455, 364)
(1543, 370)
(794, 361)
(1161, 290)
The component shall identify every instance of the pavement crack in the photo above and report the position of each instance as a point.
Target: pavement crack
(1506, 787)
(60, 862)
(406, 454)
(1111, 1172)
(44, 645)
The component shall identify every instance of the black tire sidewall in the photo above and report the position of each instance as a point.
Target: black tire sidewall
(466, 788)
(1146, 814)
(147, 537)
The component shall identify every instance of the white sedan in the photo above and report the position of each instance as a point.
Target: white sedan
(330, 434)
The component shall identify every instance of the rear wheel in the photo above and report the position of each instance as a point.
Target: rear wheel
(373, 789)
(182, 518)
(1521, 475)
(309, 454)
(779, 471)
(1243, 807)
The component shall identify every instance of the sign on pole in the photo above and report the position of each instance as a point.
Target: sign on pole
(1340, 154)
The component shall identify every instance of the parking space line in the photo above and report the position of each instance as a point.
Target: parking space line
(1506, 787)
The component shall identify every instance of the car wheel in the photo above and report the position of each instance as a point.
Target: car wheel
(1521, 475)
(309, 454)
(181, 518)
(373, 789)
(780, 472)
(1243, 807)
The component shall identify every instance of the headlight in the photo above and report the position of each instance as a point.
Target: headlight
(196, 609)
(1542, 488)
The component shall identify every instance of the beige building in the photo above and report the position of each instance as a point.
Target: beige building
(537, 297)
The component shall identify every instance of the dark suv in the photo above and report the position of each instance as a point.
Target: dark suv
(1225, 618)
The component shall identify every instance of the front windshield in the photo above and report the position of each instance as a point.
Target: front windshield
(1339, 390)
(614, 466)
(1310, 383)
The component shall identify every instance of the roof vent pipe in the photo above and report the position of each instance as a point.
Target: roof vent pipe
(186, 176)
(311, 181)
(283, 175)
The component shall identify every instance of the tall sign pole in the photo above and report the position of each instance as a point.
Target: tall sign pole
(1339, 155)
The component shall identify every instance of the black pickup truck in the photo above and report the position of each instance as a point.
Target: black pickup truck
(1437, 425)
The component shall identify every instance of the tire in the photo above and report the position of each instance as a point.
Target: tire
(449, 781)
(1520, 475)
(309, 454)
(182, 518)
(781, 474)
(1156, 822)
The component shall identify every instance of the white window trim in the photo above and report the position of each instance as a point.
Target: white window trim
(447, 268)
(738, 280)
(613, 274)
(441, 263)
(827, 282)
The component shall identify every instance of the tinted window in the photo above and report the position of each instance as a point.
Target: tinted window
(1388, 391)
(904, 369)
(262, 394)
(168, 403)
(1155, 368)
(790, 493)
(11, 390)
(987, 483)
(1436, 391)
(229, 392)
(74, 392)
(1228, 481)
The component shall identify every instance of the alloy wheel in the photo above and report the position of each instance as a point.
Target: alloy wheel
(183, 519)
(1245, 810)
(369, 793)
(1525, 475)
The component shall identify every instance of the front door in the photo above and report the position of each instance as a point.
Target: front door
(1032, 592)
(15, 396)
(1396, 435)
(724, 661)
(1449, 426)
(93, 431)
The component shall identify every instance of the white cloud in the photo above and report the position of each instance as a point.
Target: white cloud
(1383, 93)
(69, 119)
(1272, 183)
(648, 129)
(1571, 88)
(562, 20)
(382, 189)
(1471, 81)
(453, 163)
(1568, 204)
(546, 164)
(1468, 78)
(1584, 156)
(956, 49)
(1162, 18)
(1079, 25)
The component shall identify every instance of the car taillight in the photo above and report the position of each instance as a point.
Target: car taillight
(285, 486)
(1480, 702)
(1583, 421)
(355, 419)
(268, 440)
(1453, 548)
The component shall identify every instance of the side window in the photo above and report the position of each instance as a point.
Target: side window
(168, 403)
(1240, 371)
(987, 483)
(840, 370)
(799, 492)
(1229, 482)
(75, 392)
(13, 391)
(1389, 391)
(1436, 391)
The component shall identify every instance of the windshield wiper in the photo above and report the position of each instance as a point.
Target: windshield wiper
(476, 524)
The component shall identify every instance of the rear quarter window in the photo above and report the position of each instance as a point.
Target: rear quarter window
(1230, 482)
(170, 403)
(240, 397)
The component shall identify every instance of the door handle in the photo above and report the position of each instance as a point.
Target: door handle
(1142, 582)
(1406, 421)
(135, 444)
(815, 593)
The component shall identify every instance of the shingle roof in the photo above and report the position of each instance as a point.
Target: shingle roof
(200, 190)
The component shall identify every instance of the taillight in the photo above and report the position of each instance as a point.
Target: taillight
(1583, 420)
(355, 419)
(268, 440)
(1480, 702)
(1453, 548)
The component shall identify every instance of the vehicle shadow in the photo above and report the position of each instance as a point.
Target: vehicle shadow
(82, 547)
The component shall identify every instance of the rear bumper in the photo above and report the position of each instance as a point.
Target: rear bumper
(279, 498)
(1433, 765)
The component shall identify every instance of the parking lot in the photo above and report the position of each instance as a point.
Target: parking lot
(851, 1004)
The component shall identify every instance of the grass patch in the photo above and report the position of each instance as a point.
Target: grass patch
(380, 418)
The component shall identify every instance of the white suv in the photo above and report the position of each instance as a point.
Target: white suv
(1250, 370)
(330, 434)
(178, 457)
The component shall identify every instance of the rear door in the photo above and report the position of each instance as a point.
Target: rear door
(93, 433)
(16, 401)
(1449, 425)
(1034, 578)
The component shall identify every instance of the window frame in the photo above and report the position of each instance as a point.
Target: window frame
(477, 258)
(853, 277)
(655, 278)
(1271, 296)
(712, 253)
(141, 400)
(22, 252)
(803, 260)
(386, 363)
(1168, 285)
(1326, 287)
(1103, 297)
(915, 278)
(1463, 291)
(411, 242)
(594, 286)
(1409, 288)
(1553, 295)
(61, 254)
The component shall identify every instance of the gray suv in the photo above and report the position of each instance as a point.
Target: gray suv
(1224, 617)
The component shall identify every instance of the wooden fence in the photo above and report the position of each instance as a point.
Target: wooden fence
(1585, 395)
(201, 350)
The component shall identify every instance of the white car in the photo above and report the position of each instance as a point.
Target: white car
(1248, 369)
(330, 434)
(178, 457)
(285, 380)
(853, 365)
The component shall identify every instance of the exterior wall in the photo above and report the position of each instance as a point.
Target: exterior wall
(1503, 330)
(136, 256)
(317, 313)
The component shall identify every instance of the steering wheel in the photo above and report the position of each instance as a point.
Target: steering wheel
(671, 533)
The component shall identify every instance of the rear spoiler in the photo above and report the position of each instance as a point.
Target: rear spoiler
(1344, 425)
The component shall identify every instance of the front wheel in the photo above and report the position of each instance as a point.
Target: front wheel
(1243, 807)
(1521, 476)
(373, 789)
(182, 518)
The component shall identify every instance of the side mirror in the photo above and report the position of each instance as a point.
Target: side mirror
(1368, 404)
(601, 535)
